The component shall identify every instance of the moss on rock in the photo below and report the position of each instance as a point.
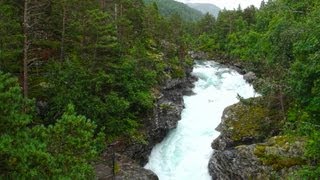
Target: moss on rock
(254, 120)
(250, 147)
(281, 152)
(250, 122)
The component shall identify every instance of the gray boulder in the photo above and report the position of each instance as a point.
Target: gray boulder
(124, 169)
(278, 158)
(198, 55)
(250, 77)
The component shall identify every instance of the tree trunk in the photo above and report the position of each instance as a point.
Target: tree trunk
(115, 11)
(103, 4)
(25, 48)
(64, 14)
(282, 103)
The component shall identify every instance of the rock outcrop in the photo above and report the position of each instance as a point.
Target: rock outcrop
(166, 114)
(246, 122)
(198, 55)
(248, 146)
(250, 77)
(124, 168)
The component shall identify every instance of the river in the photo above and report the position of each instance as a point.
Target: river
(185, 152)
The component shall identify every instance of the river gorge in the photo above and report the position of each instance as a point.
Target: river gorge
(186, 150)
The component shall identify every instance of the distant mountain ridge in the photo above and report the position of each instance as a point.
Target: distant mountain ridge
(170, 7)
(205, 8)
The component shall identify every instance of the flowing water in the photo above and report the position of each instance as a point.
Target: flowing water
(185, 152)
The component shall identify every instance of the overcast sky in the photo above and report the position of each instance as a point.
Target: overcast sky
(228, 4)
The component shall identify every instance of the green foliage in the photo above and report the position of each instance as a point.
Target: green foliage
(206, 24)
(62, 150)
(280, 42)
(205, 42)
(73, 144)
(309, 172)
(91, 93)
(10, 38)
(20, 154)
(106, 59)
(171, 7)
(113, 91)
(23, 156)
(13, 117)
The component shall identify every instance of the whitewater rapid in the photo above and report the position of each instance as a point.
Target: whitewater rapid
(185, 152)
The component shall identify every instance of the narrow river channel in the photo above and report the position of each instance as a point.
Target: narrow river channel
(185, 152)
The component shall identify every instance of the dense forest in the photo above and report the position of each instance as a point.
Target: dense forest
(78, 75)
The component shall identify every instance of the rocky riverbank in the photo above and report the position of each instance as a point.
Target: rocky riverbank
(124, 168)
(166, 114)
(250, 147)
(131, 157)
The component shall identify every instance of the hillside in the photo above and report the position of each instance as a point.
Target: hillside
(170, 7)
(205, 8)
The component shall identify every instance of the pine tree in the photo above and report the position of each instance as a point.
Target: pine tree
(62, 150)
(10, 38)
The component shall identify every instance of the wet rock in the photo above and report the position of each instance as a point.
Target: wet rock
(238, 69)
(234, 164)
(124, 169)
(250, 77)
(198, 55)
(188, 92)
(103, 171)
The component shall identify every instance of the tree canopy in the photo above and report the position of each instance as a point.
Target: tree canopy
(88, 71)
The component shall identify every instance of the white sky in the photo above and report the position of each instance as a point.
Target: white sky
(228, 4)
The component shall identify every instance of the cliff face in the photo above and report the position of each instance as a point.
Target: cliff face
(166, 114)
(249, 147)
